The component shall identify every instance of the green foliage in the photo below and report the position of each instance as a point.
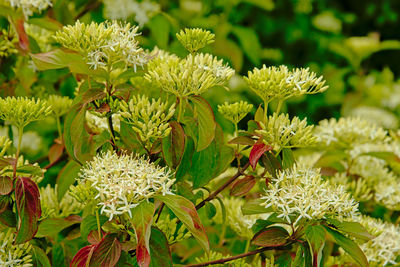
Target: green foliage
(103, 163)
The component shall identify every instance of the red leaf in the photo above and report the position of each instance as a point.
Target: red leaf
(243, 186)
(55, 152)
(257, 151)
(106, 253)
(6, 185)
(82, 256)
(27, 198)
(22, 36)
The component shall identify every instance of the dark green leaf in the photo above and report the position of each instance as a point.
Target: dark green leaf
(66, 177)
(159, 249)
(6, 185)
(273, 236)
(89, 223)
(287, 158)
(52, 226)
(39, 257)
(173, 146)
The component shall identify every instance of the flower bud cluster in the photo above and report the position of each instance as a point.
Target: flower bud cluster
(280, 83)
(29, 7)
(149, 118)
(21, 111)
(52, 207)
(235, 112)
(60, 105)
(8, 40)
(381, 117)
(104, 44)
(281, 132)
(195, 39)
(192, 75)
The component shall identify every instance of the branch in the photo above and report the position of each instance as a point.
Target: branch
(225, 185)
(243, 255)
(88, 8)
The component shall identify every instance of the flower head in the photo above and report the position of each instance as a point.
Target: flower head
(149, 118)
(280, 83)
(301, 193)
(235, 112)
(384, 249)
(29, 7)
(121, 182)
(281, 132)
(195, 39)
(192, 75)
(377, 116)
(14, 255)
(21, 111)
(59, 104)
(104, 44)
(348, 132)
(52, 207)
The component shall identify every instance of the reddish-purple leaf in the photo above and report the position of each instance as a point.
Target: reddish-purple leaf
(27, 199)
(22, 36)
(142, 218)
(106, 253)
(82, 257)
(55, 152)
(271, 237)
(173, 146)
(257, 151)
(186, 212)
(243, 186)
(6, 185)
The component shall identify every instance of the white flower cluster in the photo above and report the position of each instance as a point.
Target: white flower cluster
(30, 6)
(347, 132)
(123, 181)
(384, 249)
(14, 255)
(122, 9)
(301, 193)
(376, 115)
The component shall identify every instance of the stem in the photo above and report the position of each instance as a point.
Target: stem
(225, 185)
(265, 110)
(59, 129)
(278, 109)
(243, 255)
(247, 245)
(179, 109)
(159, 212)
(98, 224)
(110, 126)
(20, 132)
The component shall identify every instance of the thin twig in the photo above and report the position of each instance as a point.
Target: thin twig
(243, 255)
(225, 185)
(88, 8)
(159, 211)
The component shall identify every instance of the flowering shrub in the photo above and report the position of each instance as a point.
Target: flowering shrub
(118, 149)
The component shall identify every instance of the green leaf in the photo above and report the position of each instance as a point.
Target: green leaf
(39, 257)
(89, 223)
(248, 40)
(6, 185)
(315, 235)
(254, 206)
(273, 236)
(52, 226)
(332, 159)
(159, 29)
(303, 256)
(187, 214)
(349, 246)
(67, 177)
(58, 59)
(142, 218)
(159, 249)
(352, 228)
(129, 137)
(46, 23)
(204, 116)
(271, 164)
(287, 158)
